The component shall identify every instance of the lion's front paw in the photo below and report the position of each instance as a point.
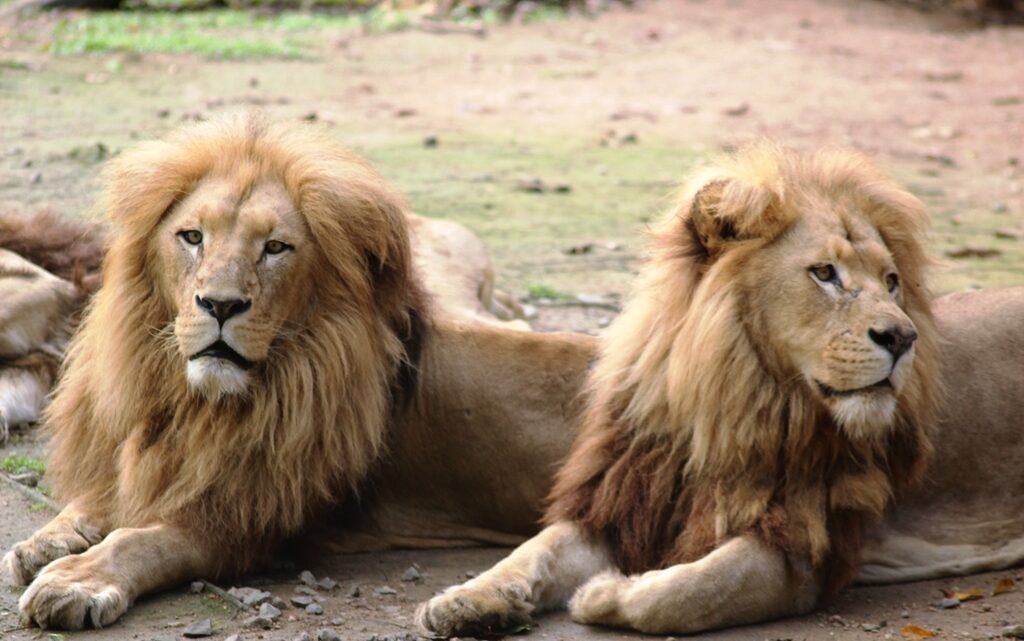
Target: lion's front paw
(69, 596)
(599, 601)
(27, 558)
(480, 607)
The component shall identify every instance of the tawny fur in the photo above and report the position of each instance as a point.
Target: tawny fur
(68, 249)
(129, 439)
(695, 432)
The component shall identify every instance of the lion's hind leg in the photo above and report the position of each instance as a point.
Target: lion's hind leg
(539, 575)
(743, 581)
(70, 532)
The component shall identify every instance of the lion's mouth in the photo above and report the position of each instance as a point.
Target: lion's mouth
(831, 392)
(222, 350)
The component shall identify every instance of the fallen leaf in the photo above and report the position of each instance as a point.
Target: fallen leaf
(911, 631)
(1003, 586)
(968, 595)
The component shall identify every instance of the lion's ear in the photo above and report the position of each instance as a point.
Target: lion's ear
(725, 209)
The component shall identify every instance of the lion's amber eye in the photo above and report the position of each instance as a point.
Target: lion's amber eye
(275, 247)
(825, 273)
(191, 236)
(892, 281)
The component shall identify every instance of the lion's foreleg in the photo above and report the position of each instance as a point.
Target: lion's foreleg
(540, 574)
(70, 532)
(743, 581)
(95, 588)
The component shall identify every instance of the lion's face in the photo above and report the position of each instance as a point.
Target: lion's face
(234, 263)
(830, 302)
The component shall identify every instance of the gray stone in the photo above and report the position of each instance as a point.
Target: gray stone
(327, 634)
(327, 583)
(196, 587)
(1014, 631)
(385, 590)
(305, 589)
(948, 604)
(251, 597)
(278, 603)
(314, 608)
(233, 637)
(354, 592)
(269, 611)
(304, 636)
(411, 574)
(198, 629)
(301, 601)
(307, 578)
(259, 622)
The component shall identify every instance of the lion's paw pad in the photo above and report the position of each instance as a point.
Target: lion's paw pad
(481, 610)
(63, 600)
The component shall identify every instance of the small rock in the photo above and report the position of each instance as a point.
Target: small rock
(430, 142)
(905, 614)
(871, 627)
(30, 479)
(251, 597)
(312, 116)
(307, 578)
(301, 601)
(1014, 631)
(262, 623)
(385, 590)
(233, 637)
(531, 185)
(314, 608)
(575, 250)
(737, 110)
(305, 589)
(203, 628)
(969, 251)
(37, 178)
(1008, 233)
(354, 592)
(327, 583)
(338, 621)
(948, 604)
(327, 634)
(196, 587)
(304, 636)
(471, 574)
(269, 611)
(411, 574)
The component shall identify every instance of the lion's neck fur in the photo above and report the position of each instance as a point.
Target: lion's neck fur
(693, 436)
(247, 469)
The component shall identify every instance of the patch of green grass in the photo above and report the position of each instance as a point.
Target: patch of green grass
(543, 291)
(475, 180)
(17, 464)
(222, 33)
(38, 507)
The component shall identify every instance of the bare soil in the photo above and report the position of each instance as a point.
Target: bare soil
(939, 103)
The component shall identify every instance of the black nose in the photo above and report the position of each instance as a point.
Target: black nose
(222, 310)
(895, 340)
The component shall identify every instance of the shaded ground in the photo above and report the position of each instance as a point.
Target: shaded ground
(616, 108)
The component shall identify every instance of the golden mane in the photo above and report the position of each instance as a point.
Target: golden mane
(691, 436)
(130, 440)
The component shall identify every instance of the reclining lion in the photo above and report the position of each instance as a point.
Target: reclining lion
(260, 339)
(771, 386)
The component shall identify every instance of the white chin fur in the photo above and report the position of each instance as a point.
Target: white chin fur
(216, 377)
(864, 415)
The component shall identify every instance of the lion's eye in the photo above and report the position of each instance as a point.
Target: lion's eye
(892, 281)
(825, 273)
(191, 236)
(275, 247)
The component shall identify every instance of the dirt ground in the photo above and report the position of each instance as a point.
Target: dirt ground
(617, 108)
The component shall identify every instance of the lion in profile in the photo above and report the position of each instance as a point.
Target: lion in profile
(259, 336)
(766, 392)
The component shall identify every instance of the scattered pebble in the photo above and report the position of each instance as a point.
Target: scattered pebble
(314, 608)
(262, 623)
(385, 590)
(327, 584)
(948, 604)
(304, 636)
(307, 578)
(306, 590)
(198, 629)
(327, 634)
(233, 637)
(301, 601)
(736, 110)
(1014, 631)
(905, 614)
(278, 603)
(430, 142)
(411, 574)
(354, 592)
(251, 597)
(269, 611)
